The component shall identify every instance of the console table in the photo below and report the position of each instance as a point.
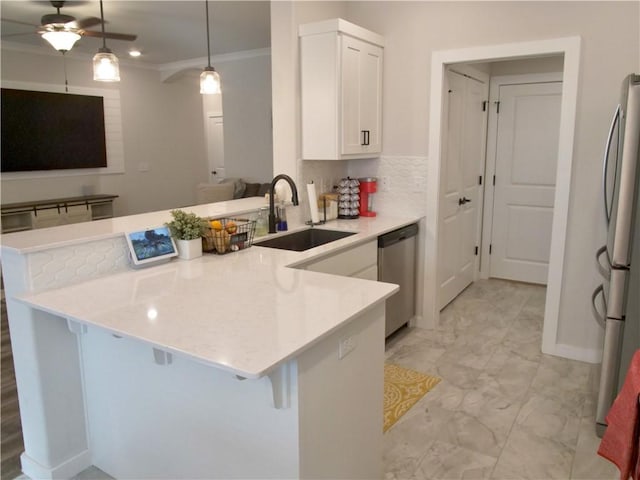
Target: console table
(21, 216)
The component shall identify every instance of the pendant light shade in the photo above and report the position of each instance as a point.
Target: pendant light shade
(106, 67)
(209, 81)
(61, 40)
(209, 78)
(105, 64)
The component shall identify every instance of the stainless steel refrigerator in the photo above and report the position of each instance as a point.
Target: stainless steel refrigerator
(616, 302)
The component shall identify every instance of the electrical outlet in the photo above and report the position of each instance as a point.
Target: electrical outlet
(347, 345)
(384, 184)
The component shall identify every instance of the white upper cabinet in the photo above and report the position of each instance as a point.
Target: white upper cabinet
(341, 88)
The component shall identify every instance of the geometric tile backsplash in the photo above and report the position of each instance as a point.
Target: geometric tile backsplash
(63, 266)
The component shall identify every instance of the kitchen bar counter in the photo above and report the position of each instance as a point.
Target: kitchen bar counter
(88, 322)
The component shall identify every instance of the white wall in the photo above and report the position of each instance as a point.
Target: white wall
(522, 67)
(610, 50)
(246, 103)
(162, 131)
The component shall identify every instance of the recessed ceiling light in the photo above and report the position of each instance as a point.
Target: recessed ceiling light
(135, 53)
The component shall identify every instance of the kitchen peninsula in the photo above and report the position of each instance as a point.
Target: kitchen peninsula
(233, 366)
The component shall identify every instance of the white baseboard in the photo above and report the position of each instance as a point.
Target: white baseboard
(571, 352)
(67, 469)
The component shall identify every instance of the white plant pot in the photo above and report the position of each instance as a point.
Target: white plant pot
(188, 249)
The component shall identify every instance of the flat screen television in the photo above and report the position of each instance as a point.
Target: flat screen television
(51, 131)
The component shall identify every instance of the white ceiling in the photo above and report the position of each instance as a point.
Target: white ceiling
(168, 31)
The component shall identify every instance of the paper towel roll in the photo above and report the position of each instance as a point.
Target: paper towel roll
(313, 202)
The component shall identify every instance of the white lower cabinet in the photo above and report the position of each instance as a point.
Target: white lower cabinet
(360, 261)
(370, 273)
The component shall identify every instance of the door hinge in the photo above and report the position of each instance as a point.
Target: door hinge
(479, 179)
(476, 251)
(497, 106)
(484, 105)
(494, 180)
(490, 248)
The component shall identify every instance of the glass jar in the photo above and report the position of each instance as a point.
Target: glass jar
(262, 222)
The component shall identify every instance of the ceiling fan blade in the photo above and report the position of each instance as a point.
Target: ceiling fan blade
(18, 22)
(87, 22)
(17, 34)
(111, 35)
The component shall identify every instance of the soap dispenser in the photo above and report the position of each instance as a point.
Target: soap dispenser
(281, 218)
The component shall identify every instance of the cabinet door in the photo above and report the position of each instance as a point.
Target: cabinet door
(361, 97)
(76, 214)
(46, 217)
(371, 98)
(351, 262)
(369, 273)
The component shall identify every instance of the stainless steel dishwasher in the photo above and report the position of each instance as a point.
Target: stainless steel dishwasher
(397, 264)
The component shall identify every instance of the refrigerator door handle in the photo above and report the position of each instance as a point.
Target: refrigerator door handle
(605, 164)
(605, 272)
(600, 318)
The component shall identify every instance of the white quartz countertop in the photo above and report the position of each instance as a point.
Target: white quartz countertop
(245, 312)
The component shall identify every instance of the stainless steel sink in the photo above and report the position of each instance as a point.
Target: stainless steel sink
(304, 239)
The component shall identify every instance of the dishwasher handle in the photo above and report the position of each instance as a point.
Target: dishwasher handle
(396, 236)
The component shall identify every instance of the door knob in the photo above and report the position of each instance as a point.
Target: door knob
(463, 200)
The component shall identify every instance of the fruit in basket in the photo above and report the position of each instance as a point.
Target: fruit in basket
(216, 225)
(231, 227)
(221, 240)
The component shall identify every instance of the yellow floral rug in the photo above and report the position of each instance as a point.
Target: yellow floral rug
(402, 389)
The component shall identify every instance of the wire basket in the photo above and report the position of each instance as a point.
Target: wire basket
(232, 235)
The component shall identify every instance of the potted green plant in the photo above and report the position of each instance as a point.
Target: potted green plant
(187, 230)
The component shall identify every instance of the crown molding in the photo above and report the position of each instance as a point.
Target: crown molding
(48, 51)
(170, 70)
(167, 70)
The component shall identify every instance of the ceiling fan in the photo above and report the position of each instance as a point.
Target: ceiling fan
(62, 30)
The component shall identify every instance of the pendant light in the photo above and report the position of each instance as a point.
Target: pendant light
(105, 63)
(209, 78)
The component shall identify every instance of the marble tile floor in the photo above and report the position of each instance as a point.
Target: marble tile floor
(503, 410)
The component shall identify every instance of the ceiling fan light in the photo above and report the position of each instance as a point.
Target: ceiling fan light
(209, 81)
(105, 66)
(61, 40)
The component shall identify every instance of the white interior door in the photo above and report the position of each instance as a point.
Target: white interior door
(528, 125)
(215, 148)
(462, 166)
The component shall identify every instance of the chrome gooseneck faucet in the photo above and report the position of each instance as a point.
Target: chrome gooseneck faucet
(294, 198)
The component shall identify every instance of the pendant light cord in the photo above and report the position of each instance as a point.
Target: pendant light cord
(104, 39)
(64, 62)
(206, 6)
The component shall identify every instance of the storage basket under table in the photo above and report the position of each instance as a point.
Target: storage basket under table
(229, 239)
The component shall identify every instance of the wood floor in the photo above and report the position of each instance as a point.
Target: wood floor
(10, 428)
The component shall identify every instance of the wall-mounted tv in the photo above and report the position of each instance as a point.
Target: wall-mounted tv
(51, 131)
